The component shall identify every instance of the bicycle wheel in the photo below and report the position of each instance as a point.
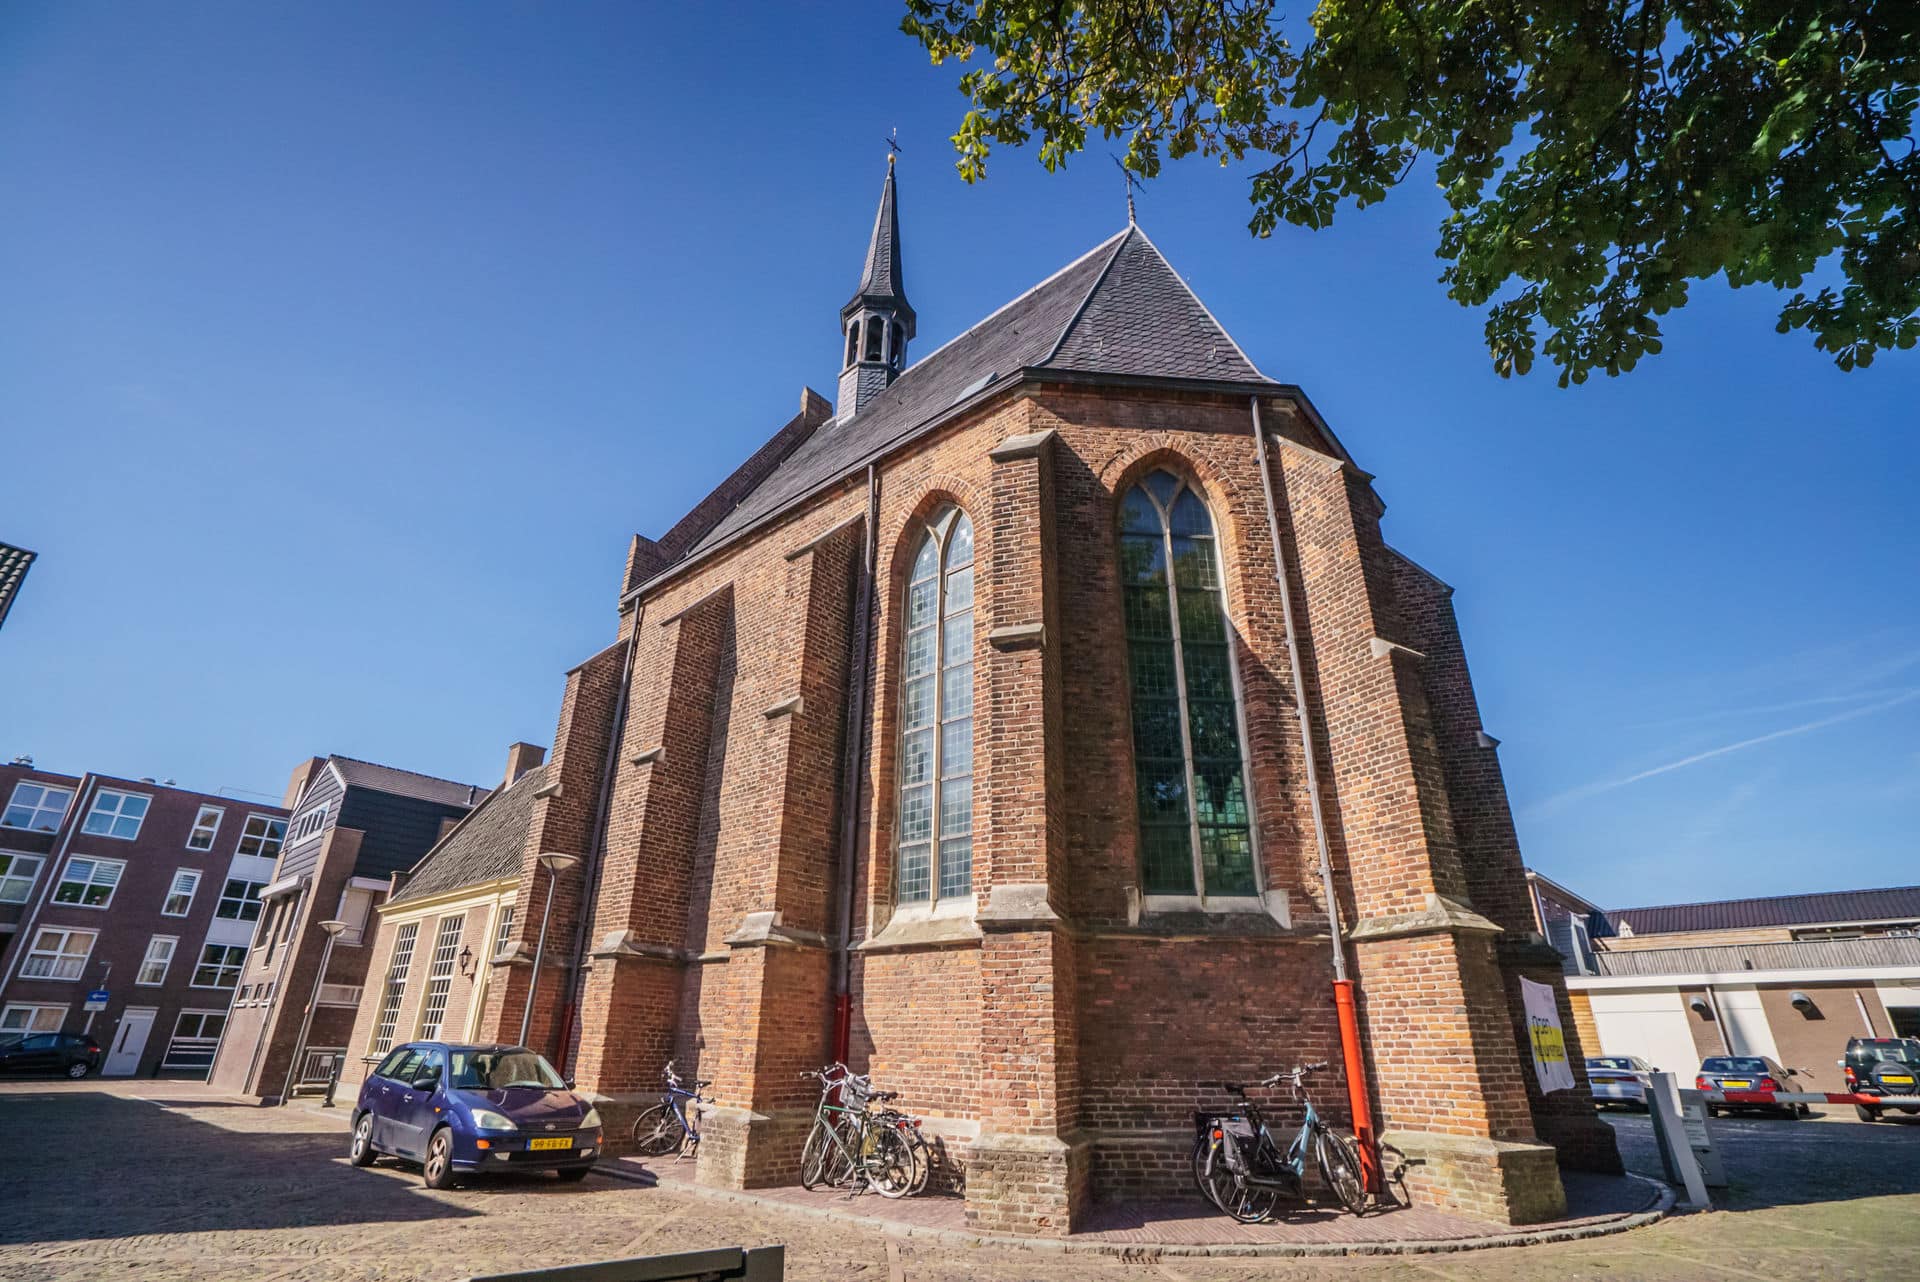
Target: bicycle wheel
(888, 1163)
(1339, 1166)
(658, 1132)
(1247, 1203)
(813, 1158)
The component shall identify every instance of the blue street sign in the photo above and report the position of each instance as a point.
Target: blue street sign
(97, 999)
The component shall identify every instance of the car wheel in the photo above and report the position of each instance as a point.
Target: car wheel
(438, 1168)
(1867, 1114)
(362, 1154)
(77, 1069)
(574, 1174)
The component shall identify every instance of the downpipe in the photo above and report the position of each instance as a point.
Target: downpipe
(1351, 1057)
(851, 765)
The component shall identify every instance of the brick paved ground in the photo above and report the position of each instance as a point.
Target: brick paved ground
(167, 1182)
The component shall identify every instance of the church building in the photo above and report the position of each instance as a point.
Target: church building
(1047, 728)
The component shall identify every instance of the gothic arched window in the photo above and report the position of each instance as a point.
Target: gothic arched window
(936, 716)
(1189, 775)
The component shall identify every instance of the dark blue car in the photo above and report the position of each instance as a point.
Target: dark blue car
(468, 1110)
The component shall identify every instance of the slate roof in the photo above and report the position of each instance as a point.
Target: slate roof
(13, 571)
(1119, 309)
(405, 783)
(1894, 903)
(883, 280)
(484, 847)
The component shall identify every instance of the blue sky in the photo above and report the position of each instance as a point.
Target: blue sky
(345, 346)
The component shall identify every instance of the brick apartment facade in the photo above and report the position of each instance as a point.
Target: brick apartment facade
(144, 889)
(906, 720)
(353, 825)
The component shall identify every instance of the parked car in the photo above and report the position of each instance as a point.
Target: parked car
(469, 1110)
(1755, 1079)
(1619, 1079)
(1888, 1067)
(66, 1054)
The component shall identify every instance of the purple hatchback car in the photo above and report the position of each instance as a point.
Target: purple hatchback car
(469, 1110)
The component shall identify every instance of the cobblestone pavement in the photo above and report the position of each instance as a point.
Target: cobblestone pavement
(165, 1182)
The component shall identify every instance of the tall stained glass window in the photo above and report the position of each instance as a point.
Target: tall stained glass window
(936, 716)
(1189, 777)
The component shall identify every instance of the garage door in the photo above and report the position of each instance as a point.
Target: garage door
(1651, 1025)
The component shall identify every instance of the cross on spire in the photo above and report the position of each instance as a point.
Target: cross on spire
(893, 146)
(1132, 182)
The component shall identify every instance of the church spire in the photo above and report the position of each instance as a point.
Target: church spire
(877, 321)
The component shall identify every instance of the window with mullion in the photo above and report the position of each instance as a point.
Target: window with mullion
(1189, 773)
(935, 843)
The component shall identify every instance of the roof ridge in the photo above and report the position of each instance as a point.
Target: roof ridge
(1198, 301)
(1011, 302)
(1764, 899)
(1093, 289)
(402, 770)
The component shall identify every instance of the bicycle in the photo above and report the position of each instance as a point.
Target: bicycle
(666, 1127)
(848, 1145)
(1239, 1167)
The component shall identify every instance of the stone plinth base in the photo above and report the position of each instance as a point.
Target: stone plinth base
(1030, 1185)
(743, 1149)
(1508, 1182)
(1583, 1141)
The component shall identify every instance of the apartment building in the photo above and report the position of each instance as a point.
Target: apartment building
(126, 907)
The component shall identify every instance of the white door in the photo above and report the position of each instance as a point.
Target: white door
(1651, 1025)
(131, 1039)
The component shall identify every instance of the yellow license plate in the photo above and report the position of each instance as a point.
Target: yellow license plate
(1736, 1084)
(547, 1142)
(1902, 1078)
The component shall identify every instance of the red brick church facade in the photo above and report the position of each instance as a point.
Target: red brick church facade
(975, 702)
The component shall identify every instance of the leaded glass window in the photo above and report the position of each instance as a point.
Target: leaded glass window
(936, 716)
(1189, 777)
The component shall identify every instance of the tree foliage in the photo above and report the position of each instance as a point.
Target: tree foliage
(1596, 156)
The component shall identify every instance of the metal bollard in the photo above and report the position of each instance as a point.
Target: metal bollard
(333, 1082)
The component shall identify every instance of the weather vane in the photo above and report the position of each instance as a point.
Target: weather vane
(1133, 180)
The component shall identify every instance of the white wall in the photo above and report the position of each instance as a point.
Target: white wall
(1652, 1025)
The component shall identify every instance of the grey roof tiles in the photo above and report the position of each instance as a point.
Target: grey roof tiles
(405, 783)
(485, 847)
(1119, 309)
(1893, 903)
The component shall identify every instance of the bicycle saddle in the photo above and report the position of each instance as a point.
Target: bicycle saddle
(884, 1095)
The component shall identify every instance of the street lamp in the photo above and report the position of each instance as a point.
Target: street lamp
(555, 863)
(333, 929)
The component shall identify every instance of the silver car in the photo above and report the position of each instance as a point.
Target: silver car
(1619, 1079)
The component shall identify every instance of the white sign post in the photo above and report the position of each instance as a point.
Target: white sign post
(1676, 1148)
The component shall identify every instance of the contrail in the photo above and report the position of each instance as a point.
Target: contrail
(1591, 789)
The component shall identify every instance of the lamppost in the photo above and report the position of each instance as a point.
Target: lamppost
(555, 863)
(333, 929)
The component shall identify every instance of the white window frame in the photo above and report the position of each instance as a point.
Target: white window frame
(191, 876)
(219, 813)
(59, 954)
(306, 824)
(242, 900)
(95, 865)
(236, 966)
(37, 807)
(262, 839)
(164, 962)
(36, 1016)
(14, 860)
(446, 949)
(199, 1041)
(116, 813)
(393, 989)
(503, 929)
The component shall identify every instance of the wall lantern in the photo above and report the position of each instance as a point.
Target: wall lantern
(1700, 1007)
(466, 962)
(1804, 1004)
